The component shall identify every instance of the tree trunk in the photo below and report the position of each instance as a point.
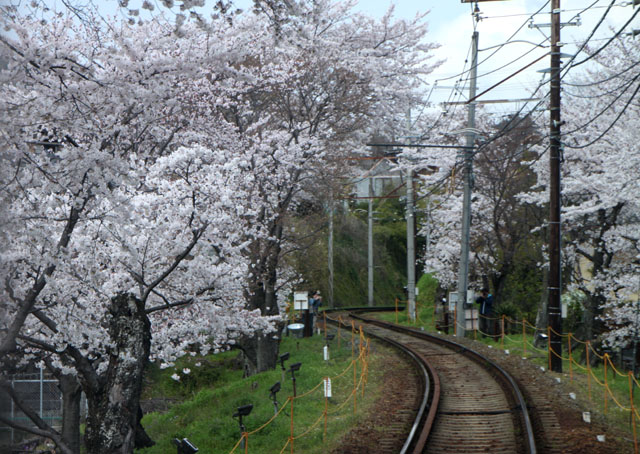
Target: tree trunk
(71, 397)
(113, 419)
(260, 352)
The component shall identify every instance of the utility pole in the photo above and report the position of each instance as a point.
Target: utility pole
(370, 244)
(463, 272)
(411, 254)
(330, 251)
(555, 270)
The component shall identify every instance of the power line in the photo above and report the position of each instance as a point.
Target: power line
(594, 54)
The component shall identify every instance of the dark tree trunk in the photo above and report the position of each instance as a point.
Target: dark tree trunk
(71, 397)
(113, 419)
(261, 351)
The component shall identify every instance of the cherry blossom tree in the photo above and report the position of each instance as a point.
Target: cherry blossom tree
(120, 193)
(502, 225)
(332, 78)
(600, 189)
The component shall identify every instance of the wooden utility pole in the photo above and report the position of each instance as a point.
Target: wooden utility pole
(555, 269)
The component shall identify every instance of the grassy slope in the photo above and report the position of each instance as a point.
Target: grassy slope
(204, 416)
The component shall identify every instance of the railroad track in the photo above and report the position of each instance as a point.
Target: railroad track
(466, 403)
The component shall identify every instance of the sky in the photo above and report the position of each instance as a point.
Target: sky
(451, 25)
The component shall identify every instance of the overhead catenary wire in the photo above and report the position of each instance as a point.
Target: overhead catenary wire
(595, 53)
(606, 131)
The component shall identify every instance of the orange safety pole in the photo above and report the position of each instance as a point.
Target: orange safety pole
(570, 360)
(633, 413)
(355, 393)
(606, 385)
(396, 311)
(246, 442)
(524, 336)
(366, 377)
(291, 436)
(353, 328)
(502, 336)
(455, 320)
(588, 346)
(549, 344)
(362, 375)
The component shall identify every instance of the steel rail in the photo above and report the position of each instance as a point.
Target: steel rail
(517, 395)
(416, 440)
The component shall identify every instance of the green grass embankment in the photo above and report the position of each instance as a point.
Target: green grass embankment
(204, 411)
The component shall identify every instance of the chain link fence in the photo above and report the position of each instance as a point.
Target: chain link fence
(39, 391)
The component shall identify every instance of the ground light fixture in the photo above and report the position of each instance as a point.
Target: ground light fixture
(184, 446)
(240, 412)
(273, 390)
(285, 356)
(294, 367)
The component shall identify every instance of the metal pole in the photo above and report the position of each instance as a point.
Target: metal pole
(463, 272)
(428, 231)
(370, 244)
(330, 251)
(635, 331)
(555, 269)
(13, 412)
(411, 261)
(41, 390)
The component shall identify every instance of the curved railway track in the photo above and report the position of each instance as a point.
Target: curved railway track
(465, 404)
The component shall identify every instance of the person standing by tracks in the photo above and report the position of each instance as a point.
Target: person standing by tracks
(486, 312)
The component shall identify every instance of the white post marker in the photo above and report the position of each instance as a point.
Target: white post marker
(300, 301)
(327, 387)
(325, 349)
